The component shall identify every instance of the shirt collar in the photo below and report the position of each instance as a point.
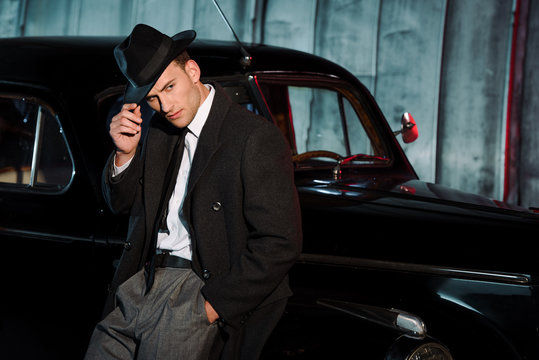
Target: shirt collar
(195, 127)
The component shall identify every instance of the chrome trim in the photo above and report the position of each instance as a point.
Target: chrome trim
(303, 74)
(479, 275)
(405, 322)
(59, 237)
(37, 147)
(73, 169)
(410, 323)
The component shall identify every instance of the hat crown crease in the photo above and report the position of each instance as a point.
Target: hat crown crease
(153, 66)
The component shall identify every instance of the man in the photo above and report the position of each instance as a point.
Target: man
(214, 217)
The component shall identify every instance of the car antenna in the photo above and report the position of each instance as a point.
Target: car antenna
(245, 61)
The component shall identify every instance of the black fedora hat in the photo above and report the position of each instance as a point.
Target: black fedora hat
(144, 55)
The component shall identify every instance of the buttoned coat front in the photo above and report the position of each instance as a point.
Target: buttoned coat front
(241, 206)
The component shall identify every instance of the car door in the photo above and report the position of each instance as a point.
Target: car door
(50, 223)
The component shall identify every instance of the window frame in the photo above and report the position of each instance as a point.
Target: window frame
(340, 87)
(33, 186)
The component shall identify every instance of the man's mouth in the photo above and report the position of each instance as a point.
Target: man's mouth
(175, 115)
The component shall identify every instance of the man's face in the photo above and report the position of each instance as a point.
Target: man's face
(176, 94)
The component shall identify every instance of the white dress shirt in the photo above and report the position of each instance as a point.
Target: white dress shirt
(177, 239)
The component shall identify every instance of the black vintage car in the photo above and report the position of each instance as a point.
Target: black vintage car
(392, 267)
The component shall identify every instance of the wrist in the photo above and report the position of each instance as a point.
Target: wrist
(122, 157)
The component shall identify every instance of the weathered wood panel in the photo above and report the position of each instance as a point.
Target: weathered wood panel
(529, 151)
(472, 115)
(408, 72)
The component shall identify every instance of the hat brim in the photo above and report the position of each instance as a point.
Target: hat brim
(135, 94)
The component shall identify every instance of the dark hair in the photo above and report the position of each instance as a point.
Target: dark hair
(182, 59)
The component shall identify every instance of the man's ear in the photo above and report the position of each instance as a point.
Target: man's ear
(192, 70)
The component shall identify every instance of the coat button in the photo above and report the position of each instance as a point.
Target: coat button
(128, 245)
(206, 274)
(216, 206)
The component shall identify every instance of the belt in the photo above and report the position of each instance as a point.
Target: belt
(167, 260)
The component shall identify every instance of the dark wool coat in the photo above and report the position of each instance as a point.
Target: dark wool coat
(241, 206)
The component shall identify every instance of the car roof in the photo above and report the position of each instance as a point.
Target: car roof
(52, 60)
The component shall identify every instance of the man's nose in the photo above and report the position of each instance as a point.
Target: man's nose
(165, 107)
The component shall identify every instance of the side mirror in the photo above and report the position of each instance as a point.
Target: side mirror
(408, 128)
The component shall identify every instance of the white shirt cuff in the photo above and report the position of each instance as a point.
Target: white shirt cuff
(117, 170)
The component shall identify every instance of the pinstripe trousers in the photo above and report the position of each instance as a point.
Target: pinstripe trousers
(169, 322)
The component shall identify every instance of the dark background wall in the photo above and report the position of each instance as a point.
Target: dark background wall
(463, 68)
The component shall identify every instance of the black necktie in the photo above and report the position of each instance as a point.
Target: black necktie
(166, 193)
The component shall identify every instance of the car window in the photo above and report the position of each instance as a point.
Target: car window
(321, 117)
(34, 154)
(324, 120)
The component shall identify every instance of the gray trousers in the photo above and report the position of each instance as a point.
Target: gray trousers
(169, 322)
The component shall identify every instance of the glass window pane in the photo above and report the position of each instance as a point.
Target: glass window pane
(17, 132)
(359, 141)
(318, 122)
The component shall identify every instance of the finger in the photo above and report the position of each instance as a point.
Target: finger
(134, 108)
(129, 107)
(126, 114)
(137, 112)
(123, 126)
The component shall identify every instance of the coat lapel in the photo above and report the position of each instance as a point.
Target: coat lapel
(209, 140)
(208, 144)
